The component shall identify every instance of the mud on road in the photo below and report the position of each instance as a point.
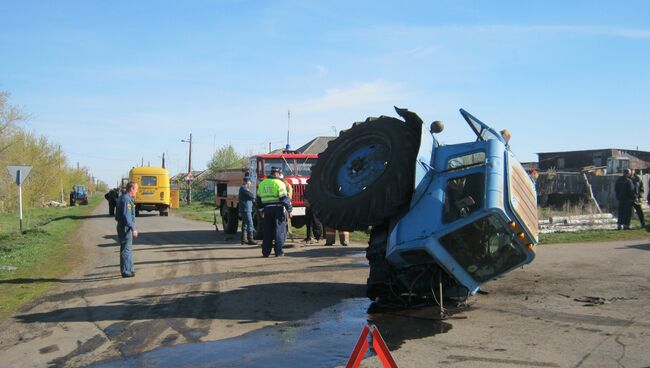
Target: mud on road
(201, 299)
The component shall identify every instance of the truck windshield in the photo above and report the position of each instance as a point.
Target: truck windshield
(485, 248)
(290, 166)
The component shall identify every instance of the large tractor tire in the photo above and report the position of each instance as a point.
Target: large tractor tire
(367, 174)
(230, 219)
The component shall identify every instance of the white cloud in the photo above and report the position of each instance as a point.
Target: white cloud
(378, 91)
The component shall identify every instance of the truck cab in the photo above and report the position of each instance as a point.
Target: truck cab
(474, 212)
(296, 170)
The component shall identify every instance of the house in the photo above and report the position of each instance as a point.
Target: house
(315, 146)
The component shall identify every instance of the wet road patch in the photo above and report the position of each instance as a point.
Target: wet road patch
(325, 339)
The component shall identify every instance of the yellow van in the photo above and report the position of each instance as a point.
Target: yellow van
(153, 189)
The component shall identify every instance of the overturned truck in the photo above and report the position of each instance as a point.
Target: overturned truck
(444, 219)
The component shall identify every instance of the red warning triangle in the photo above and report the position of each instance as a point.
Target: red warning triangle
(378, 344)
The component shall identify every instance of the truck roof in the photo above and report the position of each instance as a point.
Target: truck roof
(149, 170)
(287, 155)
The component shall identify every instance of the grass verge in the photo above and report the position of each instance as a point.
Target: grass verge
(636, 232)
(197, 211)
(41, 255)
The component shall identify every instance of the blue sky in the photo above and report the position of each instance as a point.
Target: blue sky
(118, 82)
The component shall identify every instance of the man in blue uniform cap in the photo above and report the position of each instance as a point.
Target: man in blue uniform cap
(272, 199)
(125, 216)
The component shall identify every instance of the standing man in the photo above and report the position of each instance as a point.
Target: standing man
(246, 198)
(624, 189)
(126, 228)
(638, 196)
(313, 224)
(112, 197)
(273, 200)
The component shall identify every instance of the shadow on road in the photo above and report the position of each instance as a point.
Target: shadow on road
(63, 281)
(270, 303)
(192, 237)
(638, 246)
(75, 217)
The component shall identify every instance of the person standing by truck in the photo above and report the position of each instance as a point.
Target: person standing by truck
(624, 189)
(126, 231)
(272, 199)
(638, 196)
(246, 198)
(112, 197)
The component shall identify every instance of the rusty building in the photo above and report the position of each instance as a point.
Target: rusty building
(587, 176)
(613, 160)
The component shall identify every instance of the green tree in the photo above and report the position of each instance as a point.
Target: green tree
(9, 116)
(226, 158)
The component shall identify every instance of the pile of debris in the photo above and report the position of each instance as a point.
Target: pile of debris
(601, 221)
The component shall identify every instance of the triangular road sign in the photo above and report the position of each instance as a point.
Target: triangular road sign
(19, 172)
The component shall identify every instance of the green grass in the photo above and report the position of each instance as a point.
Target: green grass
(596, 235)
(198, 211)
(42, 254)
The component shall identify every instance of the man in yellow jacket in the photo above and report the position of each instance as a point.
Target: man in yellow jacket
(272, 199)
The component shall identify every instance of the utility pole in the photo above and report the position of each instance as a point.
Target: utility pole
(189, 171)
(61, 176)
(163, 160)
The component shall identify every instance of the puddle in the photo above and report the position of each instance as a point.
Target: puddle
(326, 339)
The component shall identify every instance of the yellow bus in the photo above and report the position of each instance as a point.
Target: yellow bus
(153, 189)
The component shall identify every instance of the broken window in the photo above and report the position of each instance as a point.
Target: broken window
(485, 248)
(463, 195)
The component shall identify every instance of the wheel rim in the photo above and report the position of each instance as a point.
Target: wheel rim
(361, 168)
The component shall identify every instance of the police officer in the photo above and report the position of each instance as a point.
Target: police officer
(272, 199)
(112, 197)
(126, 231)
(246, 198)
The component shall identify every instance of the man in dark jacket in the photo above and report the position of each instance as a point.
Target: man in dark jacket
(638, 196)
(246, 198)
(624, 189)
(125, 216)
(112, 197)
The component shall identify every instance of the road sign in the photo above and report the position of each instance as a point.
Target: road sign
(19, 172)
(189, 177)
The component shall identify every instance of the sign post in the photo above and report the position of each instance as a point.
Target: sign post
(19, 173)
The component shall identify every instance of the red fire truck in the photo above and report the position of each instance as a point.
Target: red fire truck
(296, 168)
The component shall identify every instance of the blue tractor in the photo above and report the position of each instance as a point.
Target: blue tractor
(444, 219)
(78, 195)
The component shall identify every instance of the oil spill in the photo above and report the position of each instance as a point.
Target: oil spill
(325, 339)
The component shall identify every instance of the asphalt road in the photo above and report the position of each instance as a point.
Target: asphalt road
(200, 299)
